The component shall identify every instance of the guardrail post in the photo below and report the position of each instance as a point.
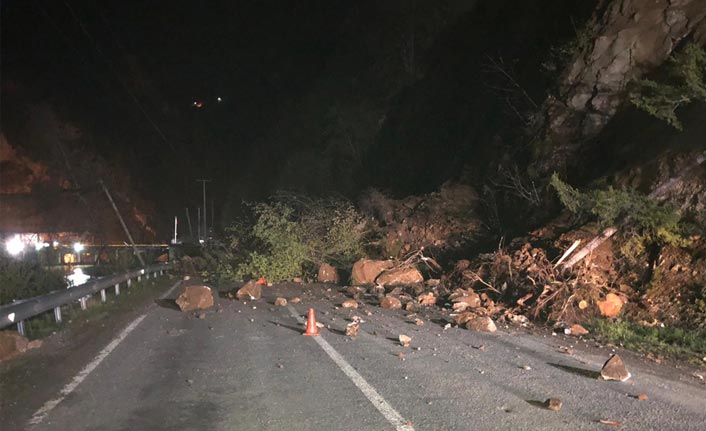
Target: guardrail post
(117, 288)
(21, 327)
(57, 314)
(83, 303)
(103, 298)
(129, 282)
(139, 278)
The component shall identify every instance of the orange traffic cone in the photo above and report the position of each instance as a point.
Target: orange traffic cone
(311, 328)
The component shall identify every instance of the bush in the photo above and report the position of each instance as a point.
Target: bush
(289, 236)
(684, 82)
(645, 220)
(22, 279)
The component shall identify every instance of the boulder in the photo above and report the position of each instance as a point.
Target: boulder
(481, 324)
(11, 344)
(251, 290)
(390, 302)
(327, 274)
(365, 271)
(611, 306)
(399, 277)
(195, 298)
(614, 369)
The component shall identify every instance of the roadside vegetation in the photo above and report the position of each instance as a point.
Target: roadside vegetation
(688, 344)
(21, 279)
(288, 236)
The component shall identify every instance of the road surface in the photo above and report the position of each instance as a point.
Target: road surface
(246, 366)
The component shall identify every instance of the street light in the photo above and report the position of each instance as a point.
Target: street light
(78, 247)
(14, 245)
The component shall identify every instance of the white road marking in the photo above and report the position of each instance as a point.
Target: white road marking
(42, 413)
(373, 396)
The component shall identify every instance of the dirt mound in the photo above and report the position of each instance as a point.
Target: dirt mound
(441, 220)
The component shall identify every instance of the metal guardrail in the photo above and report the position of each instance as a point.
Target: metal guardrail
(19, 311)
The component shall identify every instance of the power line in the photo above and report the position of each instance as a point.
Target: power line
(117, 75)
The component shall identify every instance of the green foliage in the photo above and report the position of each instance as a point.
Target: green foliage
(645, 220)
(571, 198)
(684, 82)
(290, 235)
(671, 341)
(25, 279)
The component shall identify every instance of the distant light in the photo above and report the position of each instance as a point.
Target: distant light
(78, 277)
(55, 244)
(40, 245)
(14, 245)
(201, 241)
(198, 104)
(78, 247)
(219, 100)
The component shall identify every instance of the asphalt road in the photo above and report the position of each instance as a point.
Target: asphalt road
(246, 366)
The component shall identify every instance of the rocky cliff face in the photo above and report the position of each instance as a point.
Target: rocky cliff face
(625, 39)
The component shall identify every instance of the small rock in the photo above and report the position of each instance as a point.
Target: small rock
(481, 324)
(352, 330)
(251, 290)
(553, 404)
(295, 300)
(614, 369)
(320, 325)
(187, 278)
(405, 340)
(642, 397)
(34, 344)
(201, 316)
(426, 298)
(350, 303)
(577, 330)
(419, 322)
(611, 423)
(526, 367)
(298, 280)
(481, 347)
(280, 302)
(390, 302)
(327, 274)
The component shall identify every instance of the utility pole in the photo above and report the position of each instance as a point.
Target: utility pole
(122, 222)
(205, 219)
(198, 221)
(188, 219)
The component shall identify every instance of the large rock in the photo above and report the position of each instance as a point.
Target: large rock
(11, 344)
(399, 277)
(365, 271)
(195, 298)
(251, 290)
(327, 274)
(614, 369)
(481, 324)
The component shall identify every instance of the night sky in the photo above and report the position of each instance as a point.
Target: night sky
(314, 95)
